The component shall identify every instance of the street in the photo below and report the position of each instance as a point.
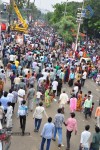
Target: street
(32, 142)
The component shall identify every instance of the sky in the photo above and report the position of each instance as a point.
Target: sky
(45, 4)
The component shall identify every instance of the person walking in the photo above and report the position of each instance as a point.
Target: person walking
(58, 121)
(9, 115)
(87, 106)
(30, 96)
(71, 125)
(71, 78)
(47, 134)
(97, 115)
(38, 114)
(4, 100)
(84, 75)
(95, 144)
(85, 137)
(22, 113)
(73, 103)
(21, 95)
(63, 100)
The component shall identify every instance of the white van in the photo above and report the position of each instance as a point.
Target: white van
(82, 59)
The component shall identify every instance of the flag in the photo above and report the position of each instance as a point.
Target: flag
(88, 12)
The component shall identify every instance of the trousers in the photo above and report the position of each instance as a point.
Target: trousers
(23, 123)
(59, 130)
(37, 123)
(43, 142)
(68, 137)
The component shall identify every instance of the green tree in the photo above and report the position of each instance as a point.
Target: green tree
(65, 28)
(92, 25)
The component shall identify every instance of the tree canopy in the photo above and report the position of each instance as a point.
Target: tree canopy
(89, 26)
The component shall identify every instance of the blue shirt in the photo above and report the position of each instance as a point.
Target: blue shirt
(72, 76)
(22, 110)
(48, 131)
(4, 101)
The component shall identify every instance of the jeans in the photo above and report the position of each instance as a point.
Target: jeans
(22, 123)
(43, 142)
(59, 130)
(37, 123)
(68, 137)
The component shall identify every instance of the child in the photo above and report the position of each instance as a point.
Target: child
(9, 115)
(91, 110)
(85, 97)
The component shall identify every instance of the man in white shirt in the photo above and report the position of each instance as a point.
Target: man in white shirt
(38, 97)
(12, 58)
(54, 86)
(85, 136)
(10, 96)
(21, 95)
(76, 89)
(63, 100)
(9, 115)
(45, 74)
(84, 75)
(38, 115)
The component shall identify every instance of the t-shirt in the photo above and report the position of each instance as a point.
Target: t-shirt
(17, 80)
(84, 75)
(12, 57)
(21, 93)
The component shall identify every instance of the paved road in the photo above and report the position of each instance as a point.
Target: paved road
(32, 142)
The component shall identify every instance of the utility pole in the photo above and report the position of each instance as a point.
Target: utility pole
(79, 24)
(65, 12)
(10, 10)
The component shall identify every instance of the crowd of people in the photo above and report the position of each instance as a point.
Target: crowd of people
(39, 71)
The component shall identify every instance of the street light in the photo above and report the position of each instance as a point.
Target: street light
(80, 21)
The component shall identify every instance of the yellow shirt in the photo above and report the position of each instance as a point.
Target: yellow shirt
(16, 63)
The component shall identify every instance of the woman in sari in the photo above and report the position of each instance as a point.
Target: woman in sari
(47, 98)
(47, 83)
(79, 101)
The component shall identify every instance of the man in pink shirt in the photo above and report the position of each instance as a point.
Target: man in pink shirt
(71, 125)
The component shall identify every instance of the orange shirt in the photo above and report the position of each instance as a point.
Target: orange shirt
(97, 113)
(28, 75)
